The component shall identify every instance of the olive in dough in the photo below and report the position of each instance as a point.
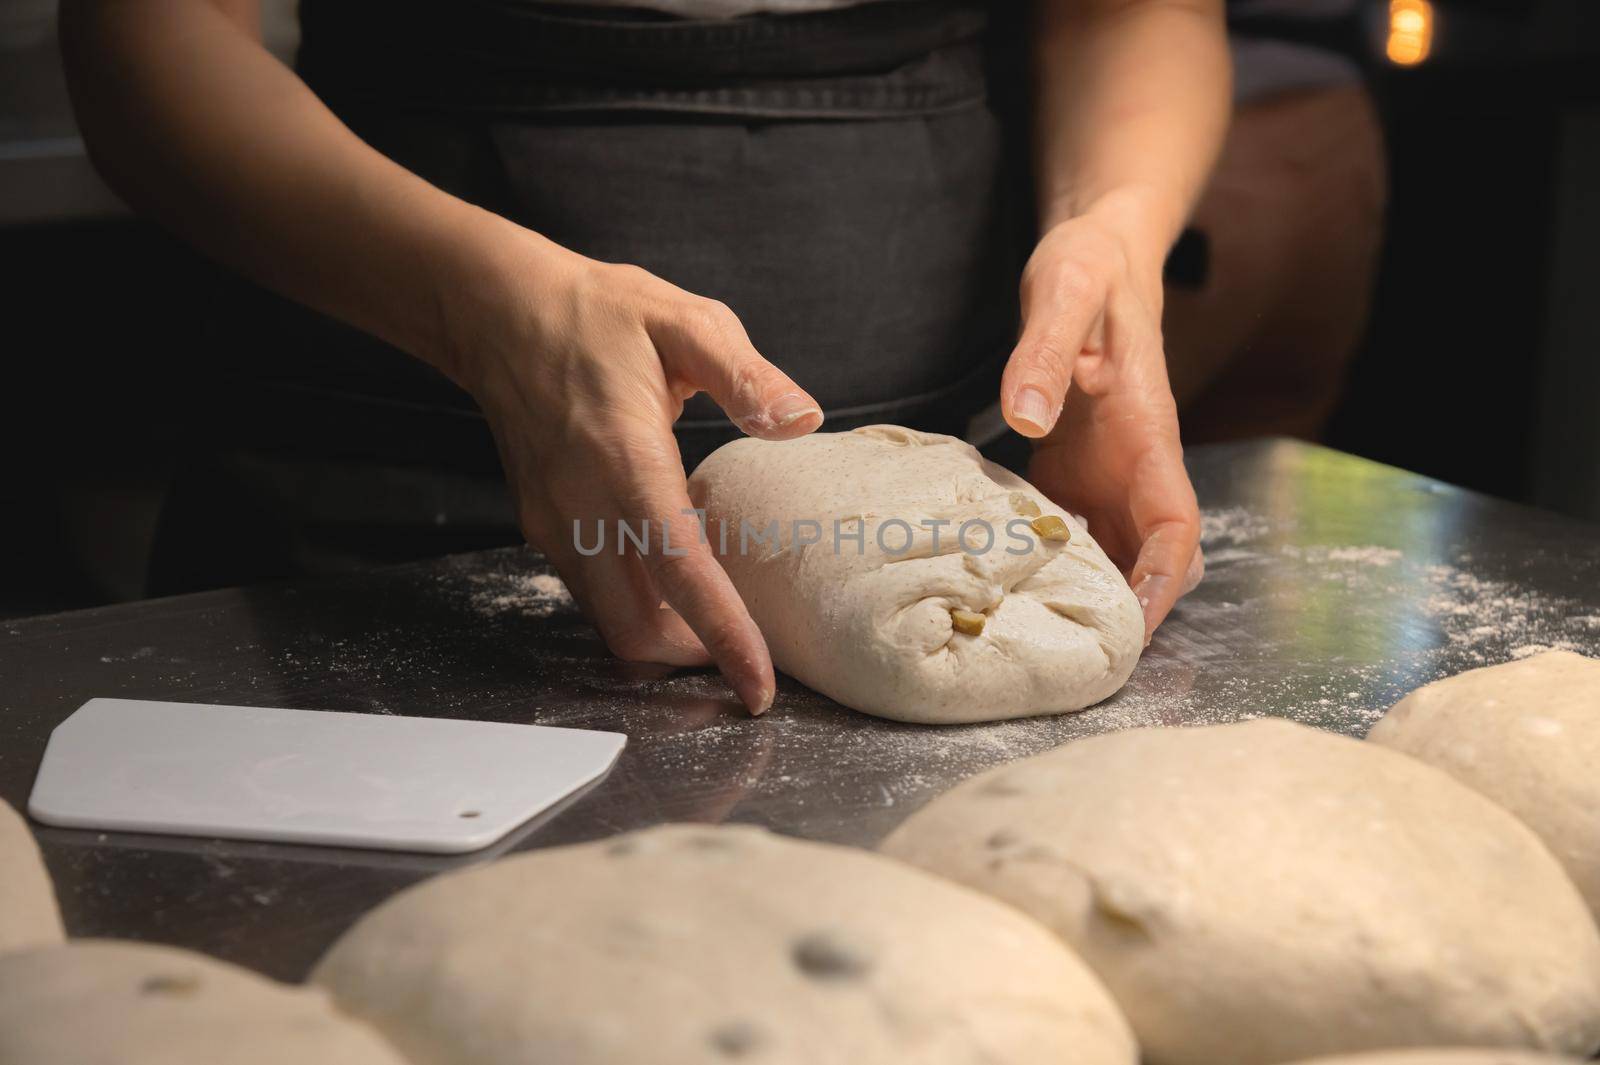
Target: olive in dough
(28, 913)
(102, 1002)
(1527, 735)
(930, 585)
(697, 945)
(1260, 892)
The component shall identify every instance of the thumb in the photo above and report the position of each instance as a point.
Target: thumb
(705, 346)
(1059, 314)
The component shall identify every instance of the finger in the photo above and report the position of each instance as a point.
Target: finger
(1061, 310)
(1196, 573)
(613, 590)
(703, 343)
(676, 633)
(1167, 518)
(651, 487)
(627, 610)
(1158, 575)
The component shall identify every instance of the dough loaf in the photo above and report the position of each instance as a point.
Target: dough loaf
(1260, 892)
(692, 944)
(1527, 735)
(28, 914)
(874, 628)
(99, 1002)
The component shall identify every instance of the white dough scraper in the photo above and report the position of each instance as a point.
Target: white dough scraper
(305, 776)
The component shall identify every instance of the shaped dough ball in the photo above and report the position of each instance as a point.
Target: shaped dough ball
(1455, 1056)
(98, 1002)
(28, 913)
(1527, 735)
(1260, 892)
(691, 944)
(1040, 622)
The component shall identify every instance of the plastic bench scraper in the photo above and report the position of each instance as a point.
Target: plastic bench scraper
(307, 776)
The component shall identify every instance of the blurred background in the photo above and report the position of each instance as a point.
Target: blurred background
(1399, 257)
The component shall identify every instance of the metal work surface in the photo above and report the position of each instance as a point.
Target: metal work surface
(1334, 586)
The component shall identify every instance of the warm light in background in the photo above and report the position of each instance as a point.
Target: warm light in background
(1410, 32)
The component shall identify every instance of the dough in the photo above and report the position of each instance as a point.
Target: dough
(1457, 1056)
(1263, 891)
(873, 628)
(28, 914)
(99, 1002)
(1526, 734)
(693, 944)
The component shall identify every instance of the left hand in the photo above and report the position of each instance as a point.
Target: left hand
(1088, 381)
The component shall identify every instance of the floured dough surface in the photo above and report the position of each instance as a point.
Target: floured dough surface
(1260, 892)
(1527, 735)
(28, 913)
(693, 944)
(99, 1002)
(1455, 1056)
(872, 627)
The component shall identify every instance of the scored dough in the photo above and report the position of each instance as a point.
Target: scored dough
(1527, 735)
(1263, 891)
(692, 944)
(925, 635)
(99, 1002)
(28, 913)
(1444, 1056)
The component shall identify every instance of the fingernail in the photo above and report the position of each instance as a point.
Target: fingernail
(762, 702)
(792, 407)
(1153, 589)
(1033, 407)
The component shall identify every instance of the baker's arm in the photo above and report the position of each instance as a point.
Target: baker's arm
(199, 127)
(581, 367)
(1131, 101)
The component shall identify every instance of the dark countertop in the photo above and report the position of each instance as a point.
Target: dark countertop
(1335, 585)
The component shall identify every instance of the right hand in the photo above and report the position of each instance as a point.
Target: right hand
(581, 368)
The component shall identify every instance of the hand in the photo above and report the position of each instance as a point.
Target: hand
(1088, 381)
(581, 368)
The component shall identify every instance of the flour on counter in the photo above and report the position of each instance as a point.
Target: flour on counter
(906, 763)
(536, 595)
(1229, 554)
(1366, 556)
(1528, 650)
(1330, 634)
(1488, 621)
(1338, 559)
(1222, 526)
(134, 656)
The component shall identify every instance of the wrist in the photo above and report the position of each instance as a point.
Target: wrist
(1145, 223)
(488, 290)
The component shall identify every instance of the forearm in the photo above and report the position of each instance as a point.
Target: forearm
(198, 126)
(1132, 101)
